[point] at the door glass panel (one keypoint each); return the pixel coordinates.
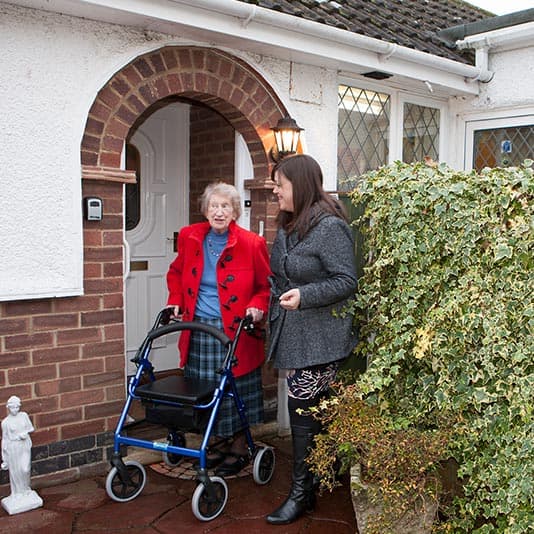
(132, 192)
(363, 133)
(420, 133)
(503, 147)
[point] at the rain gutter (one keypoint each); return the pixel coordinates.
(232, 22)
(460, 32)
(314, 30)
(503, 39)
(506, 31)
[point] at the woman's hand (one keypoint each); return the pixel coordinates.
(176, 313)
(290, 300)
(257, 315)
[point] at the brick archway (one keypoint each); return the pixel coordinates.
(211, 76)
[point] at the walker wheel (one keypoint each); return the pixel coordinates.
(205, 506)
(124, 491)
(263, 468)
(178, 440)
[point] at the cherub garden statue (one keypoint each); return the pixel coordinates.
(16, 457)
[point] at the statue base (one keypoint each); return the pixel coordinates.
(22, 502)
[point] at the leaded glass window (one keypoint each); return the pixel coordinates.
(420, 133)
(363, 133)
(503, 147)
(132, 195)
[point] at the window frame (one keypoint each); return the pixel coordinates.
(486, 121)
(398, 98)
(406, 98)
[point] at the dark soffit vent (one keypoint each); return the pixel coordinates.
(377, 75)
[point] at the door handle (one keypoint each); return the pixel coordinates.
(174, 240)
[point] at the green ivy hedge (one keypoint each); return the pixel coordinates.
(446, 316)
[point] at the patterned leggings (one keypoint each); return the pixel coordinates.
(305, 389)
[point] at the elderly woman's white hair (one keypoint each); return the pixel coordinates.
(224, 190)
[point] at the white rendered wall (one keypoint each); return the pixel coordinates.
(310, 95)
(512, 85)
(52, 68)
(509, 94)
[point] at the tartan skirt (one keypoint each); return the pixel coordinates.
(205, 358)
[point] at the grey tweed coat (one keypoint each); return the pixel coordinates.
(322, 266)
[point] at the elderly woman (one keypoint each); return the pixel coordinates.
(220, 273)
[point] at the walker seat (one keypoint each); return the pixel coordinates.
(189, 394)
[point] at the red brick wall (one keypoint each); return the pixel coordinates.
(65, 357)
(212, 153)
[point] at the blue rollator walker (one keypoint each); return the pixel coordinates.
(183, 405)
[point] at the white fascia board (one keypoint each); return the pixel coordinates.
(247, 27)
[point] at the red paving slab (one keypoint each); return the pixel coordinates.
(40, 521)
(164, 507)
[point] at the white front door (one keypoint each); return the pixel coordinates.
(163, 145)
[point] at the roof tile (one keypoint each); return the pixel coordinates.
(411, 23)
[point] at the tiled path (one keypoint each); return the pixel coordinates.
(164, 507)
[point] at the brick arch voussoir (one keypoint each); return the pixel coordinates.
(214, 77)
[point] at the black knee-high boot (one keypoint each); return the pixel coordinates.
(301, 497)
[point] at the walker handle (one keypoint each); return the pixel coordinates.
(198, 327)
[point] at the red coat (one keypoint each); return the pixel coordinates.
(242, 278)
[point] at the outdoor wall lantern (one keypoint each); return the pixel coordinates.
(287, 135)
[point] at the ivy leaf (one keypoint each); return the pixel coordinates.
(502, 251)
(481, 395)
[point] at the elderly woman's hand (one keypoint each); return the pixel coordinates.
(257, 315)
(176, 312)
(290, 300)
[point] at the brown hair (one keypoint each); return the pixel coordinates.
(309, 197)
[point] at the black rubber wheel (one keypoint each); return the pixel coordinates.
(206, 508)
(124, 491)
(263, 468)
(178, 440)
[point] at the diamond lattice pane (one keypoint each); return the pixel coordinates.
(363, 133)
(420, 133)
(503, 147)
